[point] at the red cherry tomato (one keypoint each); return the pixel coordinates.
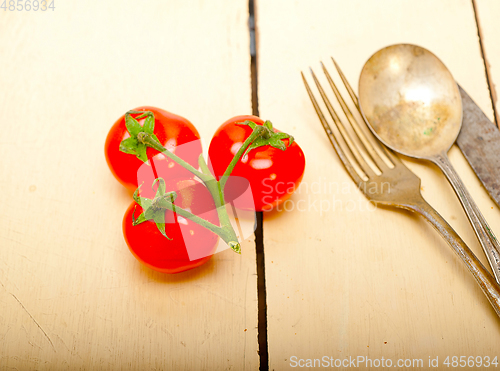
(157, 252)
(273, 174)
(171, 130)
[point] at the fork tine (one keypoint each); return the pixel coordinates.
(360, 161)
(372, 154)
(351, 92)
(347, 164)
(392, 157)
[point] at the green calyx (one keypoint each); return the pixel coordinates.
(154, 209)
(268, 138)
(132, 145)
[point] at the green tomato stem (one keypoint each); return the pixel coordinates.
(257, 132)
(225, 231)
(149, 141)
(216, 188)
(221, 184)
(227, 234)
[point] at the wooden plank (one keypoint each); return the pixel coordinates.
(487, 11)
(352, 281)
(71, 294)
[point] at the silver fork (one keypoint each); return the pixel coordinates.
(395, 186)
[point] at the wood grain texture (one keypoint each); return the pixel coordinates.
(487, 13)
(71, 294)
(350, 280)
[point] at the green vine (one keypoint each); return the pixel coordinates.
(143, 136)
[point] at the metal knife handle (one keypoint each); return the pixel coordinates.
(485, 280)
(487, 239)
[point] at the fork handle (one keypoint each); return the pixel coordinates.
(485, 280)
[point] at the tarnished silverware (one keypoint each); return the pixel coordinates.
(394, 185)
(413, 106)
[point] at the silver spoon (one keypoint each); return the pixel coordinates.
(412, 104)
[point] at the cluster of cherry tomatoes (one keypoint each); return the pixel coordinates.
(169, 244)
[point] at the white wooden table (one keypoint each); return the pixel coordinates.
(341, 283)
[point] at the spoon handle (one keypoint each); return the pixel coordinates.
(485, 280)
(487, 239)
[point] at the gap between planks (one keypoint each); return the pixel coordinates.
(489, 79)
(259, 232)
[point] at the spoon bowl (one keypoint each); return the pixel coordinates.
(411, 101)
